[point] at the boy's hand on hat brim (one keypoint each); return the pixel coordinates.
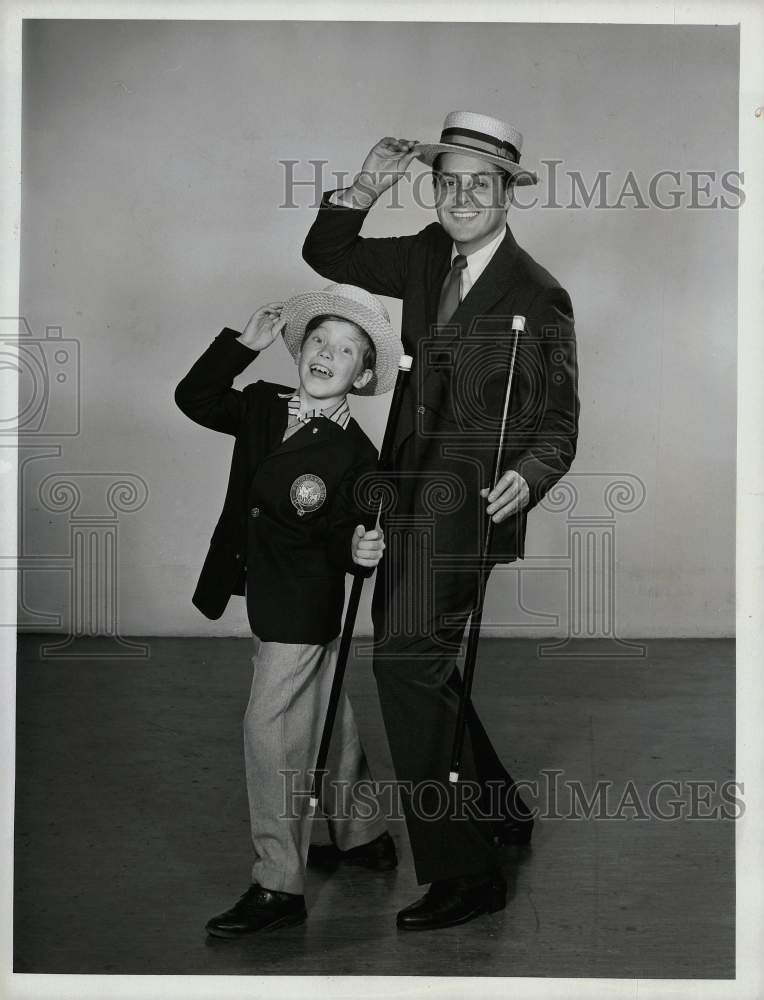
(263, 326)
(367, 546)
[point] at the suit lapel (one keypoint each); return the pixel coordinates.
(440, 264)
(420, 322)
(494, 284)
(496, 281)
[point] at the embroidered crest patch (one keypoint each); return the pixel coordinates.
(307, 493)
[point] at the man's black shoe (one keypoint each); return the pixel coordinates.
(258, 909)
(378, 855)
(514, 830)
(454, 901)
(516, 823)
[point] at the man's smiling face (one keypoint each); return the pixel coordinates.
(472, 199)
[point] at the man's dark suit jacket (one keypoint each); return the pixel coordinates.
(291, 565)
(453, 408)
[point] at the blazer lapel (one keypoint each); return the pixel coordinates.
(278, 424)
(318, 431)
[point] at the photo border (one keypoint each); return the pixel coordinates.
(750, 500)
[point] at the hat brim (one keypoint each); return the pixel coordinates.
(426, 152)
(301, 309)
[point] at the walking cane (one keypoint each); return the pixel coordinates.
(404, 367)
(476, 618)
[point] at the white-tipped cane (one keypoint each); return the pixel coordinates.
(476, 618)
(404, 367)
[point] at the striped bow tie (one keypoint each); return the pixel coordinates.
(308, 415)
(339, 415)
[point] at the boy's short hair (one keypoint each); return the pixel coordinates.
(369, 356)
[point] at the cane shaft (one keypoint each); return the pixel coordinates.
(354, 600)
(336, 689)
(470, 659)
(476, 616)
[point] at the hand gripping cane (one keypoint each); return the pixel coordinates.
(476, 617)
(404, 367)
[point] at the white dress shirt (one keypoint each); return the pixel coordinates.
(477, 262)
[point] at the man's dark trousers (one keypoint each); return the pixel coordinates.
(419, 620)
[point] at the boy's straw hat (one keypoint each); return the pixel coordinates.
(479, 135)
(359, 306)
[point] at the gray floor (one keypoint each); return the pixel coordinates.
(131, 821)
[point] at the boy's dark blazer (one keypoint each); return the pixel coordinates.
(456, 389)
(292, 566)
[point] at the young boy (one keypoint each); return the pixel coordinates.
(290, 529)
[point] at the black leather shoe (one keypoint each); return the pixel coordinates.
(516, 823)
(454, 901)
(258, 909)
(379, 855)
(514, 830)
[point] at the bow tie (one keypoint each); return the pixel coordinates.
(308, 415)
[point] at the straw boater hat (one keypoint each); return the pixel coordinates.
(479, 135)
(359, 306)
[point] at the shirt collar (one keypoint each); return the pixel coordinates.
(340, 414)
(478, 261)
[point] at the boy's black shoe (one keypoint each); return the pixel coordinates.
(258, 909)
(379, 855)
(454, 901)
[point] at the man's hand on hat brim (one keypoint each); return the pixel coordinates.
(385, 164)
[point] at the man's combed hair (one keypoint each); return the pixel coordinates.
(369, 357)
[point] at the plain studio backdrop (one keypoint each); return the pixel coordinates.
(153, 193)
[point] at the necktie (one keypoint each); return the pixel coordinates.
(450, 293)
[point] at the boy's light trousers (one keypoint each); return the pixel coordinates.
(282, 731)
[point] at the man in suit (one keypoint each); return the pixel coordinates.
(461, 279)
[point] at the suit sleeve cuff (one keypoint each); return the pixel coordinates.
(232, 336)
(539, 476)
(334, 199)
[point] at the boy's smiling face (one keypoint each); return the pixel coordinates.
(330, 363)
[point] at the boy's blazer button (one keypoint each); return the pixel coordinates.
(255, 512)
